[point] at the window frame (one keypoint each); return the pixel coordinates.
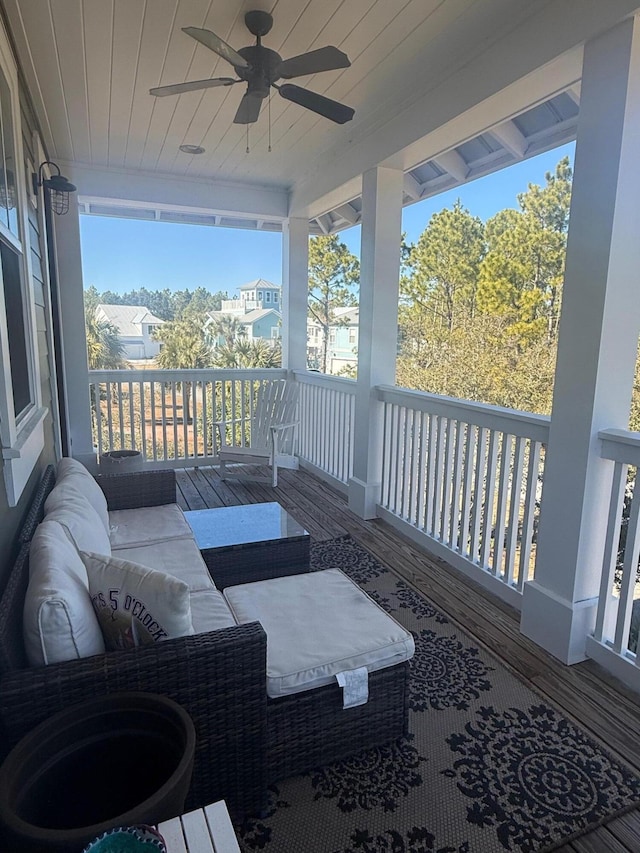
(22, 438)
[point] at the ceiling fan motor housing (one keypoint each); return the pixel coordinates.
(263, 71)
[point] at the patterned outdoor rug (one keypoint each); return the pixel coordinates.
(488, 765)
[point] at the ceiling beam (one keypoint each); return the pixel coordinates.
(412, 188)
(454, 164)
(324, 223)
(574, 92)
(187, 195)
(348, 213)
(510, 138)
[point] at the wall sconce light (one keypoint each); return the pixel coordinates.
(59, 188)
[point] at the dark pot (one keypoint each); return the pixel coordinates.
(116, 760)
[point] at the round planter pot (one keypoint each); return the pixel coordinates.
(121, 461)
(116, 760)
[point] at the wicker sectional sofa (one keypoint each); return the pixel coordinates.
(244, 739)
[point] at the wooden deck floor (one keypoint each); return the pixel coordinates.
(584, 691)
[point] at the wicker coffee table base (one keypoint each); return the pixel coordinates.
(257, 561)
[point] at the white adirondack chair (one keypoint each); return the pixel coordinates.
(272, 432)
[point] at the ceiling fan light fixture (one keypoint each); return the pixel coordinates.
(191, 149)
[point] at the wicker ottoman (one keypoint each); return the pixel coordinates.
(319, 625)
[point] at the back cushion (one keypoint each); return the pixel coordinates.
(73, 479)
(59, 620)
(81, 522)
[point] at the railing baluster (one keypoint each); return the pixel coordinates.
(501, 509)
(464, 545)
(629, 570)
(514, 510)
(610, 558)
(489, 500)
(454, 525)
(529, 513)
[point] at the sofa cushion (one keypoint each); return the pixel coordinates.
(178, 557)
(131, 527)
(81, 523)
(136, 605)
(73, 479)
(210, 611)
(318, 624)
(59, 621)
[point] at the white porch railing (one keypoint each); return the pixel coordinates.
(464, 479)
(615, 639)
(170, 415)
(325, 436)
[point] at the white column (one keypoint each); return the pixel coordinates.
(74, 345)
(377, 329)
(295, 292)
(597, 345)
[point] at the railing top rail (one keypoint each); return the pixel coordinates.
(620, 445)
(200, 375)
(512, 421)
(340, 383)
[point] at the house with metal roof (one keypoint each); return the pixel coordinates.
(135, 324)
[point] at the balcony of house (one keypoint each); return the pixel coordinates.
(457, 519)
(462, 480)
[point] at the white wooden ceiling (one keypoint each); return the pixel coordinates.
(89, 65)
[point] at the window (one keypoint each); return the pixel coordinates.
(275, 297)
(332, 337)
(353, 336)
(21, 417)
(267, 296)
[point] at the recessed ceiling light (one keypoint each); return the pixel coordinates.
(192, 149)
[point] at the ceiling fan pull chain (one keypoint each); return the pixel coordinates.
(269, 106)
(247, 150)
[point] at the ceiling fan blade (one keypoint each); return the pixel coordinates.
(340, 113)
(217, 45)
(249, 109)
(178, 88)
(323, 59)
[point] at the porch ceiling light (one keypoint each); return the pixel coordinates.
(58, 186)
(191, 149)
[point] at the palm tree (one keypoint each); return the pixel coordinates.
(182, 347)
(248, 354)
(227, 327)
(104, 349)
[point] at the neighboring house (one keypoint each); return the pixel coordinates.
(257, 309)
(342, 349)
(135, 325)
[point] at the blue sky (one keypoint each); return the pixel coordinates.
(126, 254)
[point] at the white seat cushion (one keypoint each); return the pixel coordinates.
(210, 611)
(131, 527)
(81, 523)
(136, 605)
(59, 621)
(180, 558)
(318, 624)
(73, 479)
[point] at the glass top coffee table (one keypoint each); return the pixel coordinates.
(247, 543)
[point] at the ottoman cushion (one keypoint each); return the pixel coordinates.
(318, 624)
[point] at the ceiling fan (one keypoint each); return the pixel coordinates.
(261, 67)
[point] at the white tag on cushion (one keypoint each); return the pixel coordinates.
(355, 686)
(124, 592)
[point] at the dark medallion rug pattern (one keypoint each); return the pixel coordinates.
(488, 766)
